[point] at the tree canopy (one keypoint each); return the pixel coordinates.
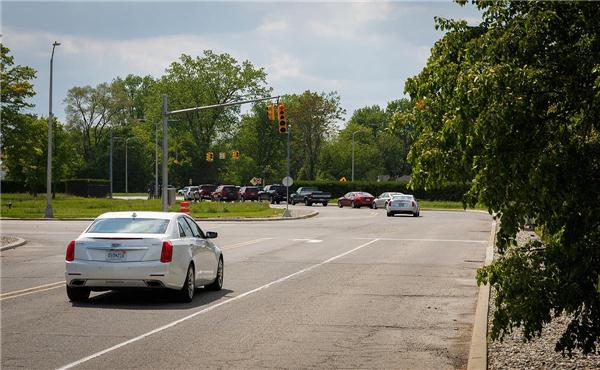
(512, 106)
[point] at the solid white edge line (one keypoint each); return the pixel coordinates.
(3, 295)
(210, 308)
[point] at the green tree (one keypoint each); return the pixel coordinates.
(205, 80)
(312, 119)
(512, 105)
(91, 113)
(15, 86)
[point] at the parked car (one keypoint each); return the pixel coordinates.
(403, 204)
(382, 200)
(183, 190)
(356, 199)
(143, 250)
(204, 191)
(310, 195)
(248, 193)
(190, 193)
(225, 192)
(274, 193)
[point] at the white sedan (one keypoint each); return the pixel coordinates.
(143, 250)
(402, 204)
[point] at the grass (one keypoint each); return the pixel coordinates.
(130, 194)
(67, 206)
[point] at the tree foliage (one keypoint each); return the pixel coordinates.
(512, 106)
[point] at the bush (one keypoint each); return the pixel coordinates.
(98, 188)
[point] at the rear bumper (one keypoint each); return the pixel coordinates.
(100, 274)
(400, 210)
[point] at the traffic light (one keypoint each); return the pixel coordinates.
(281, 119)
(271, 112)
(235, 154)
(210, 156)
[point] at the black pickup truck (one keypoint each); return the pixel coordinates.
(274, 193)
(309, 195)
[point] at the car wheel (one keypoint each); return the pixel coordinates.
(278, 202)
(416, 214)
(340, 204)
(353, 204)
(242, 199)
(374, 205)
(293, 202)
(324, 204)
(186, 293)
(307, 203)
(78, 294)
(390, 214)
(272, 200)
(218, 283)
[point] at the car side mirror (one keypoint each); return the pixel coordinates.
(211, 234)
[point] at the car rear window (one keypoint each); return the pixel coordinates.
(363, 194)
(229, 188)
(402, 197)
(129, 225)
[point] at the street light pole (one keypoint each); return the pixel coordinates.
(352, 179)
(49, 213)
(165, 171)
(155, 161)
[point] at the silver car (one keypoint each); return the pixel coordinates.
(143, 250)
(382, 200)
(402, 204)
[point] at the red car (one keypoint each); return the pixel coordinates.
(248, 193)
(225, 192)
(356, 199)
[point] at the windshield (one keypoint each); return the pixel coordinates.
(129, 225)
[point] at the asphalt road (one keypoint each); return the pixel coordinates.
(350, 288)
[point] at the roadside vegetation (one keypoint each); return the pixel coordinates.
(67, 206)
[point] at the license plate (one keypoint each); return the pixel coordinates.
(115, 256)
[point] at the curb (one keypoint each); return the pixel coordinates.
(309, 215)
(478, 348)
(14, 244)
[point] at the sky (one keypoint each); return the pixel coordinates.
(363, 50)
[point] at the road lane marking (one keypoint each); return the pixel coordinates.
(210, 308)
(428, 240)
(243, 244)
(22, 292)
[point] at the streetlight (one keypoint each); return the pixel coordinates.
(355, 132)
(49, 213)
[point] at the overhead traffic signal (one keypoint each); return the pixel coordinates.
(282, 124)
(271, 112)
(210, 156)
(235, 154)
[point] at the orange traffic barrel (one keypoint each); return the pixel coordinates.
(184, 206)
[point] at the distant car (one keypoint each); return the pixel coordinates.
(403, 204)
(225, 193)
(274, 193)
(190, 193)
(310, 195)
(382, 200)
(183, 190)
(204, 191)
(356, 199)
(143, 250)
(248, 193)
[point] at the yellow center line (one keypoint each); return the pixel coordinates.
(243, 244)
(40, 288)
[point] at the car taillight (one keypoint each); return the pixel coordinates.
(166, 254)
(413, 203)
(70, 251)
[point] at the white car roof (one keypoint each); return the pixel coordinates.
(141, 214)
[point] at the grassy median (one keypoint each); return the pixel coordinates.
(68, 206)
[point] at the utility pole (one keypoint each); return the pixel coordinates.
(49, 213)
(110, 166)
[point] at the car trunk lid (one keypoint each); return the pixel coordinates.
(119, 248)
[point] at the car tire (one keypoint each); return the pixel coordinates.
(353, 205)
(307, 203)
(271, 200)
(340, 204)
(186, 293)
(278, 202)
(374, 205)
(242, 199)
(78, 294)
(293, 202)
(390, 214)
(324, 204)
(218, 283)
(416, 214)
